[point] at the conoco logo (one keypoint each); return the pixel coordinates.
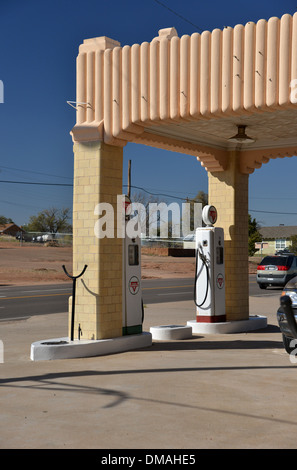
(134, 285)
(213, 214)
(220, 281)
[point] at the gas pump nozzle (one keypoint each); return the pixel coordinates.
(202, 256)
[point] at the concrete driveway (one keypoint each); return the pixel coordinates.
(232, 391)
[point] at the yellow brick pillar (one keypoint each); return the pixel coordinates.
(228, 192)
(97, 179)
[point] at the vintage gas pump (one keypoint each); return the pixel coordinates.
(209, 290)
(132, 293)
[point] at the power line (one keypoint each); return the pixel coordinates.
(157, 194)
(177, 14)
(277, 197)
(18, 204)
(35, 172)
(71, 185)
(135, 187)
(36, 183)
(269, 212)
(175, 192)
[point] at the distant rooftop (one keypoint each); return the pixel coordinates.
(280, 231)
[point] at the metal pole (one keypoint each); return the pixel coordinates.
(129, 179)
(73, 309)
(73, 296)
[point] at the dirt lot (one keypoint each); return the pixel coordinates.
(38, 264)
(27, 264)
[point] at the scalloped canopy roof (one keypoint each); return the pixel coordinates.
(189, 94)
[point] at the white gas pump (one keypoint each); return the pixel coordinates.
(131, 291)
(209, 290)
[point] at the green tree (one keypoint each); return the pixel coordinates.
(5, 220)
(201, 197)
(293, 246)
(254, 236)
(50, 220)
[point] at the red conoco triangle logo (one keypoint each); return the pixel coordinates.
(213, 214)
(134, 285)
(220, 281)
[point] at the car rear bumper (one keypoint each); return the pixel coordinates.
(274, 279)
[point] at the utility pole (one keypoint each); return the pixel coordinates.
(129, 179)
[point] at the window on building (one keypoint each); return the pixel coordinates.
(280, 244)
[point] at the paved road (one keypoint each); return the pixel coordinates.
(167, 290)
(21, 302)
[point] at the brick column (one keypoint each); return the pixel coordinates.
(228, 192)
(97, 179)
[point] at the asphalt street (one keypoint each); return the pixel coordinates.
(19, 302)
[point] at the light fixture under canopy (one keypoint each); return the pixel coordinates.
(241, 137)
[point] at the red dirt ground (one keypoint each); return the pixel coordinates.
(38, 264)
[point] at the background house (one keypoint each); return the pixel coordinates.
(10, 229)
(275, 238)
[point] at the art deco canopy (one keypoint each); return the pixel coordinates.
(189, 94)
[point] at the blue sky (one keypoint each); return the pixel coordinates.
(39, 43)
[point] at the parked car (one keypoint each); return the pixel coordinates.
(290, 290)
(276, 270)
(285, 251)
(23, 236)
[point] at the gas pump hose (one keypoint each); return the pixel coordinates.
(204, 261)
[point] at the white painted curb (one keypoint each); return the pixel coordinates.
(239, 326)
(169, 332)
(63, 348)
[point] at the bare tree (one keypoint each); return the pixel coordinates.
(144, 213)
